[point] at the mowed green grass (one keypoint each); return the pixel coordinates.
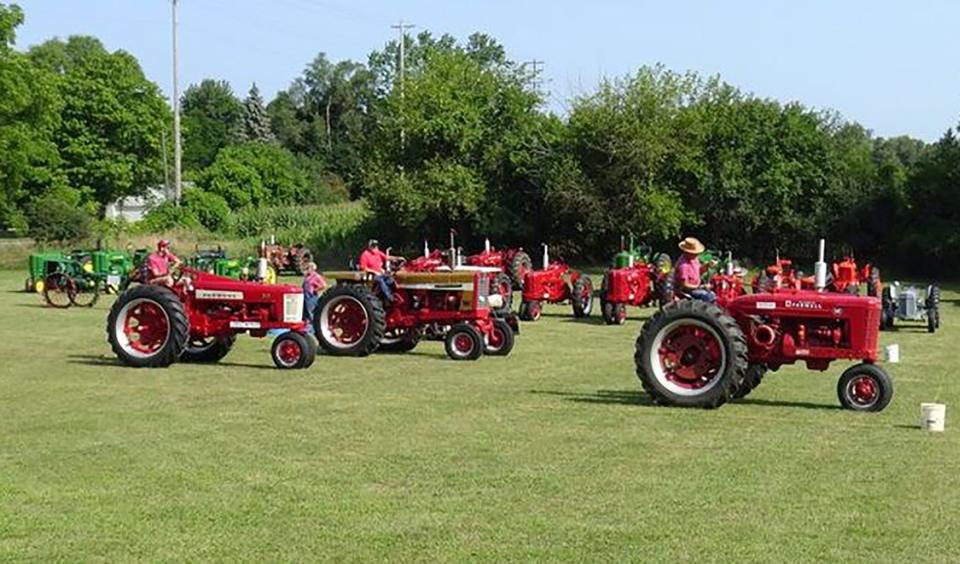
(552, 453)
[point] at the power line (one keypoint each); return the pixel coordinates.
(535, 81)
(402, 30)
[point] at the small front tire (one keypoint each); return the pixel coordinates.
(292, 350)
(464, 342)
(865, 387)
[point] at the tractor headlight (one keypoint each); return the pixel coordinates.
(292, 308)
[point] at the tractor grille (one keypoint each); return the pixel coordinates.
(292, 308)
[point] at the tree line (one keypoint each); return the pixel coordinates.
(466, 141)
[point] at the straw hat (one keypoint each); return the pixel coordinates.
(692, 245)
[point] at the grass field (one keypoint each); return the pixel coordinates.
(550, 454)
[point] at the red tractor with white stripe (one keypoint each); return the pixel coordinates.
(556, 283)
(354, 318)
(199, 317)
(697, 354)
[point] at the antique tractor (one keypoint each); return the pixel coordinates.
(727, 281)
(71, 282)
(696, 354)
(286, 260)
(451, 260)
(354, 319)
(911, 304)
(515, 263)
(555, 283)
(633, 281)
(199, 318)
(847, 278)
(778, 276)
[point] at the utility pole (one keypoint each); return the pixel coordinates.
(535, 80)
(177, 149)
(402, 29)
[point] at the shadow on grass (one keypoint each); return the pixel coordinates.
(608, 397)
(911, 427)
(591, 320)
(40, 305)
(792, 404)
(93, 360)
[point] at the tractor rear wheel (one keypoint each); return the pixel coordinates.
(502, 285)
(691, 354)
(57, 288)
(208, 350)
(613, 314)
(665, 291)
(85, 292)
(464, 342)
(582, 296)
(349, 321)
(293, 350)
(301, 257)
(530, 310)
(933, 308)
(400, 340)
(751, 380)
(500, 340)
(520, 265)
(865, 387)
(147, 327)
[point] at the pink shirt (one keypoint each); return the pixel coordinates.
(159, 265)
(687, 272)
(372, 260)
(313, 283)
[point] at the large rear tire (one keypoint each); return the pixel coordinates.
(752, 379)
(582, 296)
(519, 267)
(865, 387)
(691, 354)
(349, 321)
(530, 310)
(874, 286)
(147, 327)
(502, 285)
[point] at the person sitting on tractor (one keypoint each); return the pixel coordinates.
(687, 272)
(373, 261)
(158, 265)
(313, 285)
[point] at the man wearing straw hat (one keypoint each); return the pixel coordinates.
(687, 272)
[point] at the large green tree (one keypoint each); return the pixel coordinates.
(29, 116)
(113, 119)
(212, 118)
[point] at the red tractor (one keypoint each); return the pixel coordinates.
(199, 318)
(777, 276)
(697, 354)
(728, 284)
(515, 263)
(449, 260)
(556, 283)
(286, 260)
(847, 278)
(638, 284)
(354, 318)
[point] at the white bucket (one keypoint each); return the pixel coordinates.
(933, 416)
(892, 353)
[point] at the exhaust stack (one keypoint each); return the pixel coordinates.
(546, 256)
(820, 269)
(486, 245)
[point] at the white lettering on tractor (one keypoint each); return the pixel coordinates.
(244, 324)
(803, 304)
(218, 295)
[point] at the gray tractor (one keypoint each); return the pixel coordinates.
(911, 304)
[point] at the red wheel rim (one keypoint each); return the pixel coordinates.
(146, 327)
(289, 352)
(688, 356)
(344, 322)
(463, 344)
(535, 311)
(863, 390)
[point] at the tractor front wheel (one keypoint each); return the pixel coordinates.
(582, 297)
(500, 340)
(464, 342)
(293, 350)
(613, 313)
(147, 327)
(530, 310)
(865, 387)
(57, 289)
(691, 354)
(349, 321)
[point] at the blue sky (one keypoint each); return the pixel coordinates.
(892, 66)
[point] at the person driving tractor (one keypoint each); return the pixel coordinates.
(313, 285)
(373, 261)
(159, 263)
(687, 272)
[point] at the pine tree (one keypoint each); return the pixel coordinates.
(256, 123)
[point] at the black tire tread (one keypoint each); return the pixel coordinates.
(179, 326)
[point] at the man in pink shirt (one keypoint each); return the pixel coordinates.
(686, 275)
(159, 263)
(373, 261)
